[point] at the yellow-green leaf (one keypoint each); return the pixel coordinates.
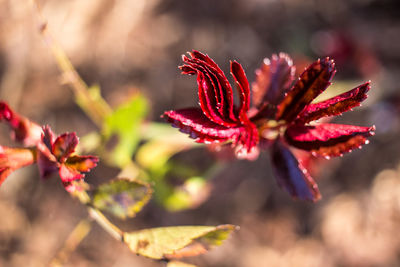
(154, 154)
(176, 241)
(122, 197)
(193, 192)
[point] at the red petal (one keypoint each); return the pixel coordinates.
(82, 163)
(243, 88)
(64, 146)
(193, 122)
(335, 105)
(68, 174)
(273, 80)
(312, 82)
(328, 140)
(23, 129)
(291, 175)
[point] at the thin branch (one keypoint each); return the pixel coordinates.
(93, 104)
(80, 231)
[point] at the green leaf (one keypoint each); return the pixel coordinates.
(176, 241)
(125, 122)
(122, 197)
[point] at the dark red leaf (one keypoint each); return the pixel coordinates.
(215, 93)
(312, 82)
(68, 174)
(273, 80)
(82, 163)
(222, 89)
(25, 131)
(12, 159)
(47, 163)
(225, 89)
(16, 157)
(248, 141)
(243, 88)
(328, 140)
(7, 114)
(48, 137)
(193, 122)
(64, 146)
(335, 105)
(208, 102)
(291, 175)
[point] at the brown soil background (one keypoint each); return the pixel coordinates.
(130, 45)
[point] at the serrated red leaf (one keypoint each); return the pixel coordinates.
(328, 140)
(243, 89)
(291, 175)
(82, 163)
(224, 87)
(68, 174)
(273, 80)
(335, 105)
(208, 101)
(192, 121)
(312, 82)
(215, 92)
(64, 146)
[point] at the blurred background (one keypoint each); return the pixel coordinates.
(130, 45)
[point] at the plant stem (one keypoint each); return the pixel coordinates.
(109, 227)
(98, 216)
(91, 102)
(80, 231)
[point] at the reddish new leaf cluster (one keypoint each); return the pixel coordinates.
(53, 154)
(280, 116)
(217, 119)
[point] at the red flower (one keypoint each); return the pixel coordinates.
(280, 115)
(56, 154)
